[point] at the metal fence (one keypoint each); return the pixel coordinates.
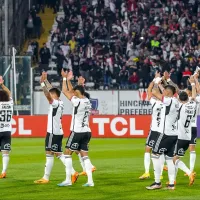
(19, 81)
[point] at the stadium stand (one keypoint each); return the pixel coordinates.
(119, 44)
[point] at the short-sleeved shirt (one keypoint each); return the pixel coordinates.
(158, 111)
(171, 115)
(186, 114)
(80, 115)
(6, 113)
(194, 119)
(54, 124)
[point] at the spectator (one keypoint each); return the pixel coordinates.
(38, 26)
(124, 76)
(134, 81)
(186, 74)
(45, 56)
(72, 43)
(29, 26)
(65, 48)
(35, 48)
(60, 60)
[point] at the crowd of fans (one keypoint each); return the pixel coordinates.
(122, 43)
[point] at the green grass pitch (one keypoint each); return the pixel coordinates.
(119, 163)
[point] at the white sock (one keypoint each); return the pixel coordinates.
(147, 160)
(162, 162)
(88, 168)
(5, 161)
(171, 170)
(157, 167)
(62, 158)
(81, 162)
(192, 160)
(181, 165)
(48, 166)
(68, 168)
(176, 172)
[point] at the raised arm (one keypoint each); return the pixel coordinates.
(149, 90)
(4, 87)
(192, 82)
(170, 82)
(68, 93)
(44, 87)
(48, 85)
(197, 83)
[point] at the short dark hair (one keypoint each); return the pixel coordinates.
(189, 88)
(4, 96)
(183, 96)
(55, 90)
(171, 87)
(82, 91)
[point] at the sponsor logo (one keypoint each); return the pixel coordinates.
(143, 95)
(95, 104)
(74, 146)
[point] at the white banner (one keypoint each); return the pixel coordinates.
(103, 102)
(134, 103)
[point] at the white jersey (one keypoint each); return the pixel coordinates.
(194, 119)
(171, 115)
(6, 113)
(158, 111)
(54, 124)
(186, 113)
(80, 115)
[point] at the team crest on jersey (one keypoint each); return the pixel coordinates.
(54, 147)
(6, 146)
(151, 143)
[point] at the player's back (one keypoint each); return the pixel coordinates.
(197, 112)
(171, 115)
(54, 117)
(157, 120)
(6, 112)
(186, 114)
(80, 115)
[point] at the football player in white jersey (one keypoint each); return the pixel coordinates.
(80, 130)
(53, 141)
(6, 112)
(194, 123)
(186, 113)
(167, 140)
(157, 123)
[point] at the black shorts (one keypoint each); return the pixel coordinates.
(53, 142)
(193, 140)
(5, 141)
(181, 147)
(152, 138)
(78, 141)
(165, 145)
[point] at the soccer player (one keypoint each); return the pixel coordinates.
(6, 112)
(80, 130)
(157, 123)
(167, 140)
(53, 141)
(194, 123)
(186, 113)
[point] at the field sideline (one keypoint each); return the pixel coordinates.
(119, 163)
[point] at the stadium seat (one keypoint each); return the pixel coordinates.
(37, 78)
(55, 84)
(52, 72)
(89, 85)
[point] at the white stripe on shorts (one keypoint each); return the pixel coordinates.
(158, 142)
(50, 140)
(70, 139)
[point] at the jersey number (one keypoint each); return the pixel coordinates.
(188, 120)
(5, 115)
(84, 118)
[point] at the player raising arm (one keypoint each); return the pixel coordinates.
(53, 141)
(80, 130)
(186, 113)
(6, 112)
